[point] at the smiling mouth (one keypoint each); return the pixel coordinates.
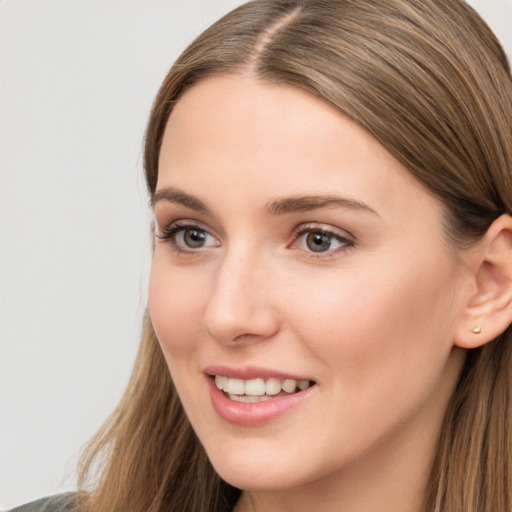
(259, 389)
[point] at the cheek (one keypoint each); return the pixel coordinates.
(175, 308)
(388, 319)
(176, 299)
(383, 342)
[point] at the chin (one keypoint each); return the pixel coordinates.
(256, 479)
(256, 470)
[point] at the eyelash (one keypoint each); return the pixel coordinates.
(169, 235)
(170, 232)
(345, 242)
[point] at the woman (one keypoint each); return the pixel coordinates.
(330, 297)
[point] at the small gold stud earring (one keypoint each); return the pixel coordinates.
(477, 330)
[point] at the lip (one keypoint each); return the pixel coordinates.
(250, 372)
(252, 414)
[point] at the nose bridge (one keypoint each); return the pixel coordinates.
(240, 305)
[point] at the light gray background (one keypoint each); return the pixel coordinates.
(77, 81)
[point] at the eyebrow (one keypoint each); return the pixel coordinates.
(277, 207)
(173, 195)
(307, 203)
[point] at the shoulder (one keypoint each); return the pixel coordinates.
(59, 503)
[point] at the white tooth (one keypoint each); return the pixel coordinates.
(250, 399)
(303, 384)
(289, 385)
(255, 387)
(224, 382)
(273, 386)
(235, 386)
(218, 381)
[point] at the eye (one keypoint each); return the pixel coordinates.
(319, 240)
(188, 237)
(193, 238)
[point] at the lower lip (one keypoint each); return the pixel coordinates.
(254, 414)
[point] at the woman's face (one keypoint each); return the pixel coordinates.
(301, 264)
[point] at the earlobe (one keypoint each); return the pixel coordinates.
(488, 311)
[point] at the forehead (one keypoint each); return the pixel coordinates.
(239, 134)
(238, 112)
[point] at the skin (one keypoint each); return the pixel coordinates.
(371, 319)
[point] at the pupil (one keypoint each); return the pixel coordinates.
(318, 242)
(194, 237)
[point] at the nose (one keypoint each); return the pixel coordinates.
(241, 307)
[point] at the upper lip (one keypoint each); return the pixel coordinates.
(251, 372)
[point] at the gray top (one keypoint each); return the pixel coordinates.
(58, 503)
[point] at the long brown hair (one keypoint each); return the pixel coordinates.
(429, 80)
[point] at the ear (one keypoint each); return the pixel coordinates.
(488, 308)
